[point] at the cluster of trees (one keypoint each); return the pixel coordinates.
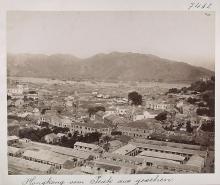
(198, 86)
(34, 135)
(202, 86)
(135, 98)
(57, 130)
(37, 135)
(209, 98)
(115, 133)
(174, 91)
(192, 100)
(66, 141)
(207, 94)
(209, 126)
(203, 111)
(87, 138)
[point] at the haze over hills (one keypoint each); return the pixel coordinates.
(113, 66)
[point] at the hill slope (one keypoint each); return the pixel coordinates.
(112, 66)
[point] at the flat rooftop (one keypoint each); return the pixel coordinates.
(169, 149)
(45, 155)
(22, 166)
(125, 149)
(160, 155)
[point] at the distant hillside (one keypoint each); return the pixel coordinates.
(113, 66)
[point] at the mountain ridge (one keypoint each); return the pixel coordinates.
(123, 66)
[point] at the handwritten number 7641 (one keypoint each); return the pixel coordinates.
(200, 5)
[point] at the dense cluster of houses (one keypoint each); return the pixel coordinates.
(135, 122)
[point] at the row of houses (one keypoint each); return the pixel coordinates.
(55, 157)
(156, 105)
(165, 158)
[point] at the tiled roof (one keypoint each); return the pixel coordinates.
(149, 123)
(46, 155)
(125, 149)
(86, 145)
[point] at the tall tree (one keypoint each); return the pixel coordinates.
(135, 98)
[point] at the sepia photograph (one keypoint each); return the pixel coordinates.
(110, 92)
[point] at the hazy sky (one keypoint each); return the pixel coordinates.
(182, 36)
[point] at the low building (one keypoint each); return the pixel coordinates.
(197, 162)
(19, 103)
(15, 152)
(86, 147)
(66, 122)
(156, 105)
(83, 128)
(115, 120)
(141, 128)
(128, 149)
(103, 166)
(79, 156)
(114, 145)
(24, 167)
(169, 150)
(167, 156)
(144, 115)
(151, 162)
(46, 157)
(14, 91)
(13, 140)
(165, 143)
(25, 140)
(32, 95)
(121, 110)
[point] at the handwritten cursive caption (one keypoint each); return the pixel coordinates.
(200, 6)
(94, 180)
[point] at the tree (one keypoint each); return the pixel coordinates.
(203, 111)
(209, 127)
(91, 137)
(90, 158)
(213, 78)
(8, 97)
(135, 98)
(161, 116)
(192, 100)
(173, 90)
(106, 147)
(113, 133)
(57, 130)
(201, 104)
(189, 127)
(106, 139)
